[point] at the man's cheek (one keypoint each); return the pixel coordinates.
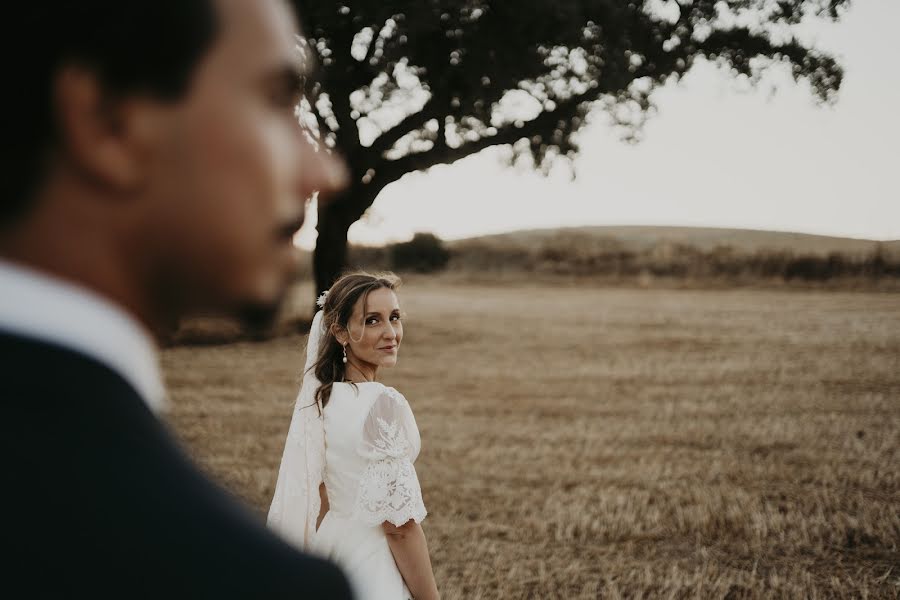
(281, 150)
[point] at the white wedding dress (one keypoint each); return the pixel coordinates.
(362, 447)
(371, 443)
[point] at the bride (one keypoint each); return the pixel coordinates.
(347, 488)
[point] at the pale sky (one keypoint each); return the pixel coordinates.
(715, 155)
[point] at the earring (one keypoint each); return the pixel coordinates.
(345, 354)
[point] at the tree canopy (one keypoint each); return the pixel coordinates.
(404, 85)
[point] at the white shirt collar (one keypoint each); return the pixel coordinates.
(46, 308)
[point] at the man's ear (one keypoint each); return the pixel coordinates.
(102, 135)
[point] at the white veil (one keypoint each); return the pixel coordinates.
(296, 503)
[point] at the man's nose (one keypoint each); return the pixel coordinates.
(323, 172)
(335, 176)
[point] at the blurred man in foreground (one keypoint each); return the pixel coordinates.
(153, 166)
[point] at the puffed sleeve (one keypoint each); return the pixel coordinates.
(389, 487)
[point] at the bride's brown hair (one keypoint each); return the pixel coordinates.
(342, 297)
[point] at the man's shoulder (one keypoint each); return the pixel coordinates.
(22, 356)
(96, 471)
(52, 386)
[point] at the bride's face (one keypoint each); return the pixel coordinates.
(375, 329)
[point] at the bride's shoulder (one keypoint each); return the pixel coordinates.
(392, 393)
(384, 394)
(373, 393)
(388, 403)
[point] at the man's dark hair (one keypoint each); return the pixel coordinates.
(134, 47)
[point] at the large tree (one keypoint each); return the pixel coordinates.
(404, 85)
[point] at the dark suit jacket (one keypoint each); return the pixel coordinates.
(97, 500)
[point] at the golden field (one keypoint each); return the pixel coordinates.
(591, 442)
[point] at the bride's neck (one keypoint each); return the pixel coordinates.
(356, 373)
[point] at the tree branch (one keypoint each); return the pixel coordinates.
(510, 134)
(410, 123)
(348, 132)
(342, 69)
(370, 51)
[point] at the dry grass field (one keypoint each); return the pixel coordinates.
(587, 442)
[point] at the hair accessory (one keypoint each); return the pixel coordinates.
(321, 300)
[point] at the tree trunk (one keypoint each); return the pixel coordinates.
(330, 254)
(335, 218)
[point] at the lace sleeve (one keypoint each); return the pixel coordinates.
(389, 487)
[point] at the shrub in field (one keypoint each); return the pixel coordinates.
(372, 258)
(425, 253)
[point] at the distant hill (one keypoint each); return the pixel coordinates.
(629, 252)
(642, 237)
